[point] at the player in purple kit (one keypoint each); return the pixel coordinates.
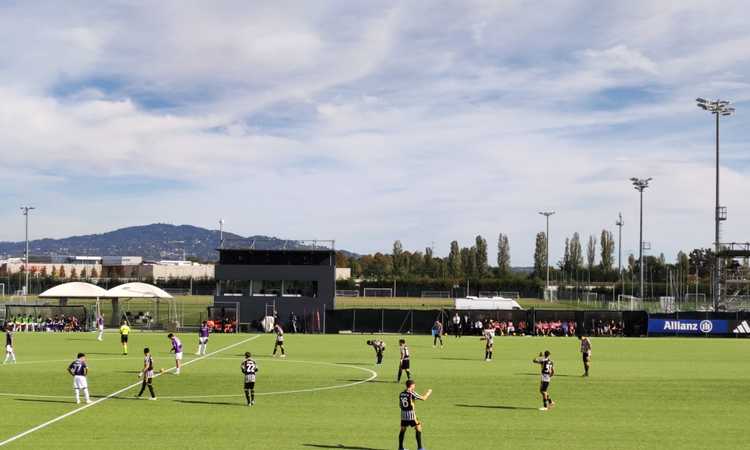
(79, 370)
(10, 355)
(203, 333)
(100, 326)
(177, 349)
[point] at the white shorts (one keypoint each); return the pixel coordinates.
(9, 349)
(202, 340)
(101, 327)
(178, 356)
(79, 382)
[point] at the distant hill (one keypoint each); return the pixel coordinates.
(154, 242)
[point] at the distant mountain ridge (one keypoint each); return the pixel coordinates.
(153, 242)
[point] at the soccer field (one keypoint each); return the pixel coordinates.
(642, 393)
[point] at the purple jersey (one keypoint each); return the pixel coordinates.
(204, 331)
(176, 345)
(100, 321)
(77, 367)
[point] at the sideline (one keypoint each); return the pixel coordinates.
(116, 393)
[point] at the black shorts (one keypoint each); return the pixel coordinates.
(409, 423)
(124, 338)
(250, 385)
(544, 386)
(279, 343)
(405, 364)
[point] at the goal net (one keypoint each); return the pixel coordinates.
(378, 292)
(590, 297)
(697, 301)
(347, 293)
(629, 303)
(47, 317)
(436, 294)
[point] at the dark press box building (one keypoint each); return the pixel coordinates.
(263, 282)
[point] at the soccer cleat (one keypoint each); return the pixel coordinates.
(88, 402)
(152, 398)
(543, 408)
(283, 356)
(551, 404)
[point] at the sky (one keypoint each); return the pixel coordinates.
(367, 122)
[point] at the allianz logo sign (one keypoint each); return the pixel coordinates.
(704, 326)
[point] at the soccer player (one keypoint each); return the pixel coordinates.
(548, 371)
(100, 326)
(489, 346)
(124, 332)
(203, 333)
(408, 415)
(279, 340)
(379, 347)
(79, 370)
(177, 349)
(585, 353)
(147, 373)
(10, 355)
(249, 369)
(404, 361)
(437, 333)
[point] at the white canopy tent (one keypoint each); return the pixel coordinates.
(74, 289)
(135, 290)
(489, 303)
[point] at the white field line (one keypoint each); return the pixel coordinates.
(114, 394)
(371, 372)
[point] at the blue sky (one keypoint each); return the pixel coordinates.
(370, 122)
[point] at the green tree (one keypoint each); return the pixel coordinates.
(429, 263)
(454, 261)
(608, 250)
(565, 264)
(398, 259)
(503, 255)
(540, 254)
(576, 254)
(591, 253)
(481, 256)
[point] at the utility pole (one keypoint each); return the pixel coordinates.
(546, 214)
(640, 185)
(26, 210)
(221, 233)
(717, 108)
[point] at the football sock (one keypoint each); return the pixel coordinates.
(151, 390)
(401, 439)
(143, 388)
(252, 395)
(545, 402)
(86, 395)
(247, 395)
(419, 439)
(78, 396)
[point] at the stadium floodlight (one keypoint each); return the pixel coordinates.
(640, 184)
(546, 214)
(26, 210)
(719, 108)
(620, 223)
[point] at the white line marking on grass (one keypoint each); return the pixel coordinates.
(116, 393)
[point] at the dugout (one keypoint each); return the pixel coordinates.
(299, 281)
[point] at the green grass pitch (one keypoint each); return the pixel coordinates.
(643, 393)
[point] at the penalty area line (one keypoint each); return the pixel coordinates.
(116, 393)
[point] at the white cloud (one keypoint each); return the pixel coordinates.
(370, 123)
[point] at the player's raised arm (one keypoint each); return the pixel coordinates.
(427, 394)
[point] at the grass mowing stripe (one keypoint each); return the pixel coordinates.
(116, 393)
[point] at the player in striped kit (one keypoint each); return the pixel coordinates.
(10, 354)
(147, 373)
(585, 354)
(489, 336)
(203, 333)
(249, 369)
(379, 347)
(408, 414)
(279, 340)
(79, 370)
(548, 371)
(404, 364)
(177, 350)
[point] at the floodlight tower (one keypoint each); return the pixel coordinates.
(718, 108)
(640, 184)
(619, 224)
(546, 214)
(25, 210)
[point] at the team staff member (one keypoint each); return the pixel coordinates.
(124, 332)
(585, 354)
(408, 414)
(548, 371)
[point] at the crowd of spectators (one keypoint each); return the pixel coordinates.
(28, 323)
(555, 328)
(607, 327)
(464, 324)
